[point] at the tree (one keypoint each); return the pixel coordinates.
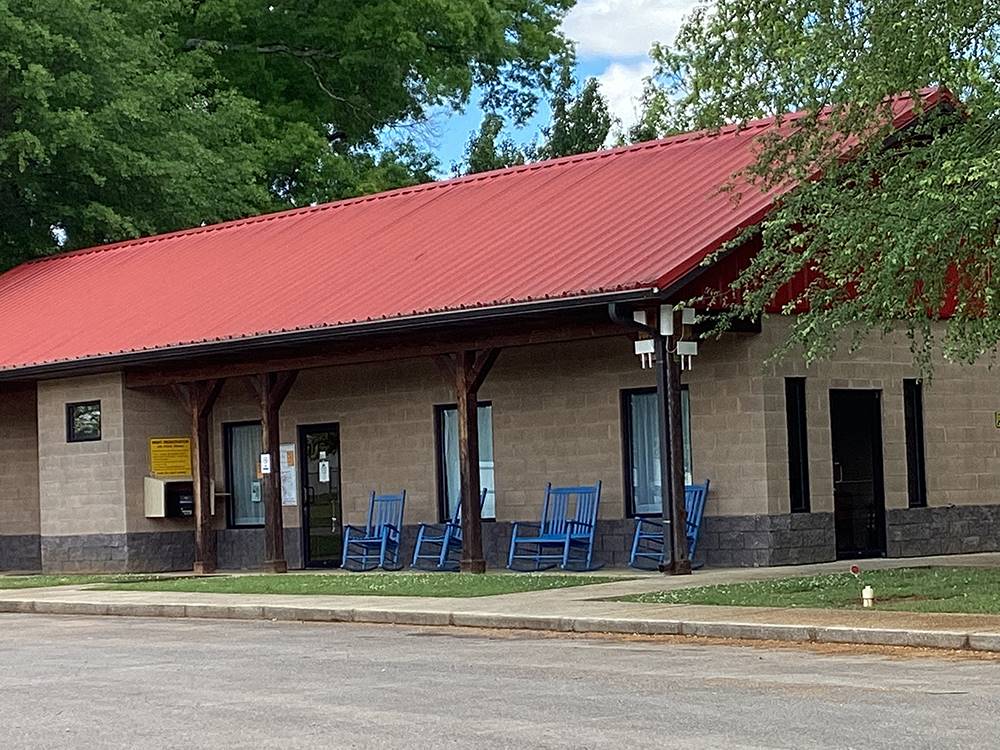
(128, 117)
(661, 110)
(488, 149)
(343, 72)
(581, 121)
(905, 229)
(104, 134)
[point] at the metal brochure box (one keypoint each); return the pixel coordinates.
(172, 497)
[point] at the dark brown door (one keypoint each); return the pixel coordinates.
(858, 490)
(322, 527)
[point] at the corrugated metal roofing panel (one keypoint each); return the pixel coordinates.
(624, 219)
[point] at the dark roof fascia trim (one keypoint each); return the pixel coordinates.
(427, 321)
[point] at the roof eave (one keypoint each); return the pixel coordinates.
(329, 334)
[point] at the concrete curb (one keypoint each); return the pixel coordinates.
(940, 639)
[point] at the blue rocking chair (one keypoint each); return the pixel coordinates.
(446, 536)
(559, 529)
(647, 544)
(378, 539)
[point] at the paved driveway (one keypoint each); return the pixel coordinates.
(121, 682)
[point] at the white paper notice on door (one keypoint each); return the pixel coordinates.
(324, 471)
(289, 477)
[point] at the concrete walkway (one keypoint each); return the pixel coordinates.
(581, 609)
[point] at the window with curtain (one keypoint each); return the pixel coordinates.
(642, 449)
(450, 483)
(243, 448)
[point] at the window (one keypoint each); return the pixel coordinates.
(449, 477)
(644, 495)
(913, 413)
(798, 445)
(83, 421)
(243, 448)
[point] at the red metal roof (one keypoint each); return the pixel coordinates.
(625, 219)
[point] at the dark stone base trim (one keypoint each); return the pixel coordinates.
(244, 548)
(766, 540)
(156, 551)
(731, 541)
(85, 553)
(150, 552)
(21, 552)
(944, 530)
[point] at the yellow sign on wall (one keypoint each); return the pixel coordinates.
(170, 457)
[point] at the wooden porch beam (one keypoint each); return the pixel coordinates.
(198, 399)
(271, 389)
(352, 353)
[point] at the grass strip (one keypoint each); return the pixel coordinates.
(917, 589)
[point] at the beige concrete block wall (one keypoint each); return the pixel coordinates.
(962, 444)
(81, 486)
(962, 441)
(556, 412)
(150, 412)
(557, 417)
(18, 461)
(728, 438)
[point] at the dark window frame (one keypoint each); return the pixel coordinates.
(625, 412)
(71, 436)
(230, 483)
(916, 457)
(797, 437)
(440, 477)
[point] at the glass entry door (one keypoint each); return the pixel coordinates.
(319, 446)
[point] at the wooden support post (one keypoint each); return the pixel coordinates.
(466, 372)
(272, 388)
(662, 355)
(199, 398)
(680, 562)
(668, 397)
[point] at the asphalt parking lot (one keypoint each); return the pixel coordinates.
(122, 682)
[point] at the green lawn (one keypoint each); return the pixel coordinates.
(931, 589)
(366, 584)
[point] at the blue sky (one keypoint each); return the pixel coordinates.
(613, 38)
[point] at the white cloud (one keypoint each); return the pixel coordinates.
(623, 28)
(621, 84)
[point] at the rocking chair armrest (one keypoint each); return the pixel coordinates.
(579, 524)
(391, 527)
(348, 528)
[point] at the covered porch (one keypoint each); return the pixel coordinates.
(508, 403)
